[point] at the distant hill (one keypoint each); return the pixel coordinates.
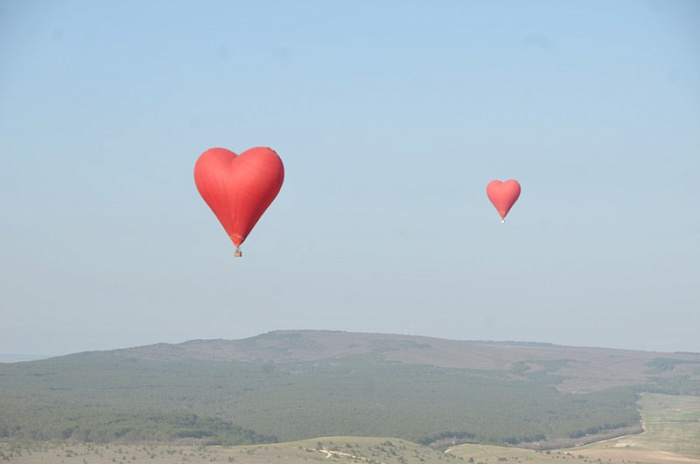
(577, 369)
(292, 385)
(11, 358)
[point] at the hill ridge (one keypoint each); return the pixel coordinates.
(296, 384)
(584, 369)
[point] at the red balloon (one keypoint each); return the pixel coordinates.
(503, 195)
(239, 188)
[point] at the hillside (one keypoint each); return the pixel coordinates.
(293, 385)
(573, 369)
(672, 436)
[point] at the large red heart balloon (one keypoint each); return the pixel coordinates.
(503, 195)
(239, 188)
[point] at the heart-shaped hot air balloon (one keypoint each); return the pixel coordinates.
(239, 188)
(503, 195)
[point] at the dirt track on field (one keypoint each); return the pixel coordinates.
(617, 455)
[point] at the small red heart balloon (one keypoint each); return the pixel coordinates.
(503, 195)
(239, 188)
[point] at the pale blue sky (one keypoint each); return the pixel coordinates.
(391, 117)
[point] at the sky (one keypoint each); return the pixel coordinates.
(391, 118)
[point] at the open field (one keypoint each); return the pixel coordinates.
(672, 435)
(486, 454)
(671, 423)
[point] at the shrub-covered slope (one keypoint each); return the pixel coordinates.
(296, 385)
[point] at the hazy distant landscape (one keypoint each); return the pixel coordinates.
(671, 436)
(223, 223)
(12, 358)
(288, 386)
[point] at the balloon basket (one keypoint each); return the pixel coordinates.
(237, 254)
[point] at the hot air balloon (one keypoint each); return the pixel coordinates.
(238, 188)
(503, 195)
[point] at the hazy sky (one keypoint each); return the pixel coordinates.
(390, 117)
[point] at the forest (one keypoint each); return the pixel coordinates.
(112, 396)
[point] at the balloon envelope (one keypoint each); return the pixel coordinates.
(503, 195)
(239, 188)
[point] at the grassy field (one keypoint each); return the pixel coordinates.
(672, 436)
(321, 450)
(671, 423)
